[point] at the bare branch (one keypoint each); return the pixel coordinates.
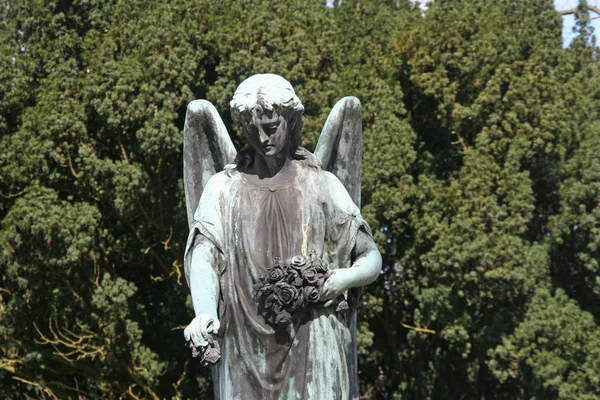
(414, 328)
(123, 151)
(69, 345)
(44, 388)
(567, 12)
(463, 145)
(179, 327)
(73, 172)
(10, 196)
(9, 364)
(574, 10)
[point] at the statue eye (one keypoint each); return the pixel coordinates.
(270, 129)
(250, 129)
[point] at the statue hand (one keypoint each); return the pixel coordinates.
(337, 283)
(200, 330)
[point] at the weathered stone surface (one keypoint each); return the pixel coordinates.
(277, 247)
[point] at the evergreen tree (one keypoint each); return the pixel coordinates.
(93, 223)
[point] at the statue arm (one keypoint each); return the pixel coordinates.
(365, 268)
(204, 287)
(366, 261)
(203, 279)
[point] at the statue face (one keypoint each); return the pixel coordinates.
(268, 133)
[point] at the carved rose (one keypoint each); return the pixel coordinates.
(283, 318)
(284, 293)
(318, 263)
(294, 278)
(310, 276)
(298, 301)
(320, 266)
(298, 262)
(311, 293)
(265, 290)
(276, 274)
(211, 355)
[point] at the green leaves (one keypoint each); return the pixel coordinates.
(555, 346)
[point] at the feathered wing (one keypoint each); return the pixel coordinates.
(207, 148)
(340, 145)
(340, 151)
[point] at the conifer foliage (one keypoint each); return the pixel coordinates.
(481, 181)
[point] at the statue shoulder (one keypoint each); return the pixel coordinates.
(307, 158)
(332, 181)
(223, 179)
(336, 193)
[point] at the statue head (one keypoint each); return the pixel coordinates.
(272, 96)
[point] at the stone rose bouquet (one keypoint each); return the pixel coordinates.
(209, 354)
(288, 286)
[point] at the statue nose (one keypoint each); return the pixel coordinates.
(263, 137)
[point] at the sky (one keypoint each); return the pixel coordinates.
(569, 20)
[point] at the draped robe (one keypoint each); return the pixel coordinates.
(251, 224)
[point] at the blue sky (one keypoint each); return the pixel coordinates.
(569, 20)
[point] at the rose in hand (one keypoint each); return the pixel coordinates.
(311, 294)
(310, 276)
(298, 262)
(293, 284)
(276, 274)
(199, 336)
(283, 318)
(284, 294)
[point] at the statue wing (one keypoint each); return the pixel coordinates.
(340, 145)
(340, 151)
(207, 148)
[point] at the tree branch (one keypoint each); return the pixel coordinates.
(567, 12)
(574, 10)
(10, 196)
(73, 172)
(414, 328)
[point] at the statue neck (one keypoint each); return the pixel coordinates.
(268, 167)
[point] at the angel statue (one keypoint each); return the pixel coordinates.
(276, 221)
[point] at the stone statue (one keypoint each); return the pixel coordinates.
(277, 250)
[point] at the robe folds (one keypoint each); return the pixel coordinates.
(251, 224)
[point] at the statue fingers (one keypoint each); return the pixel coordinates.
(328, 303)
(329, 290)
(198, 338)
(189, 334)
(205, 322)
(193, 333)
(327, 296)
(215, 326)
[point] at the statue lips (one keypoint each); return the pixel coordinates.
(266, 148)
